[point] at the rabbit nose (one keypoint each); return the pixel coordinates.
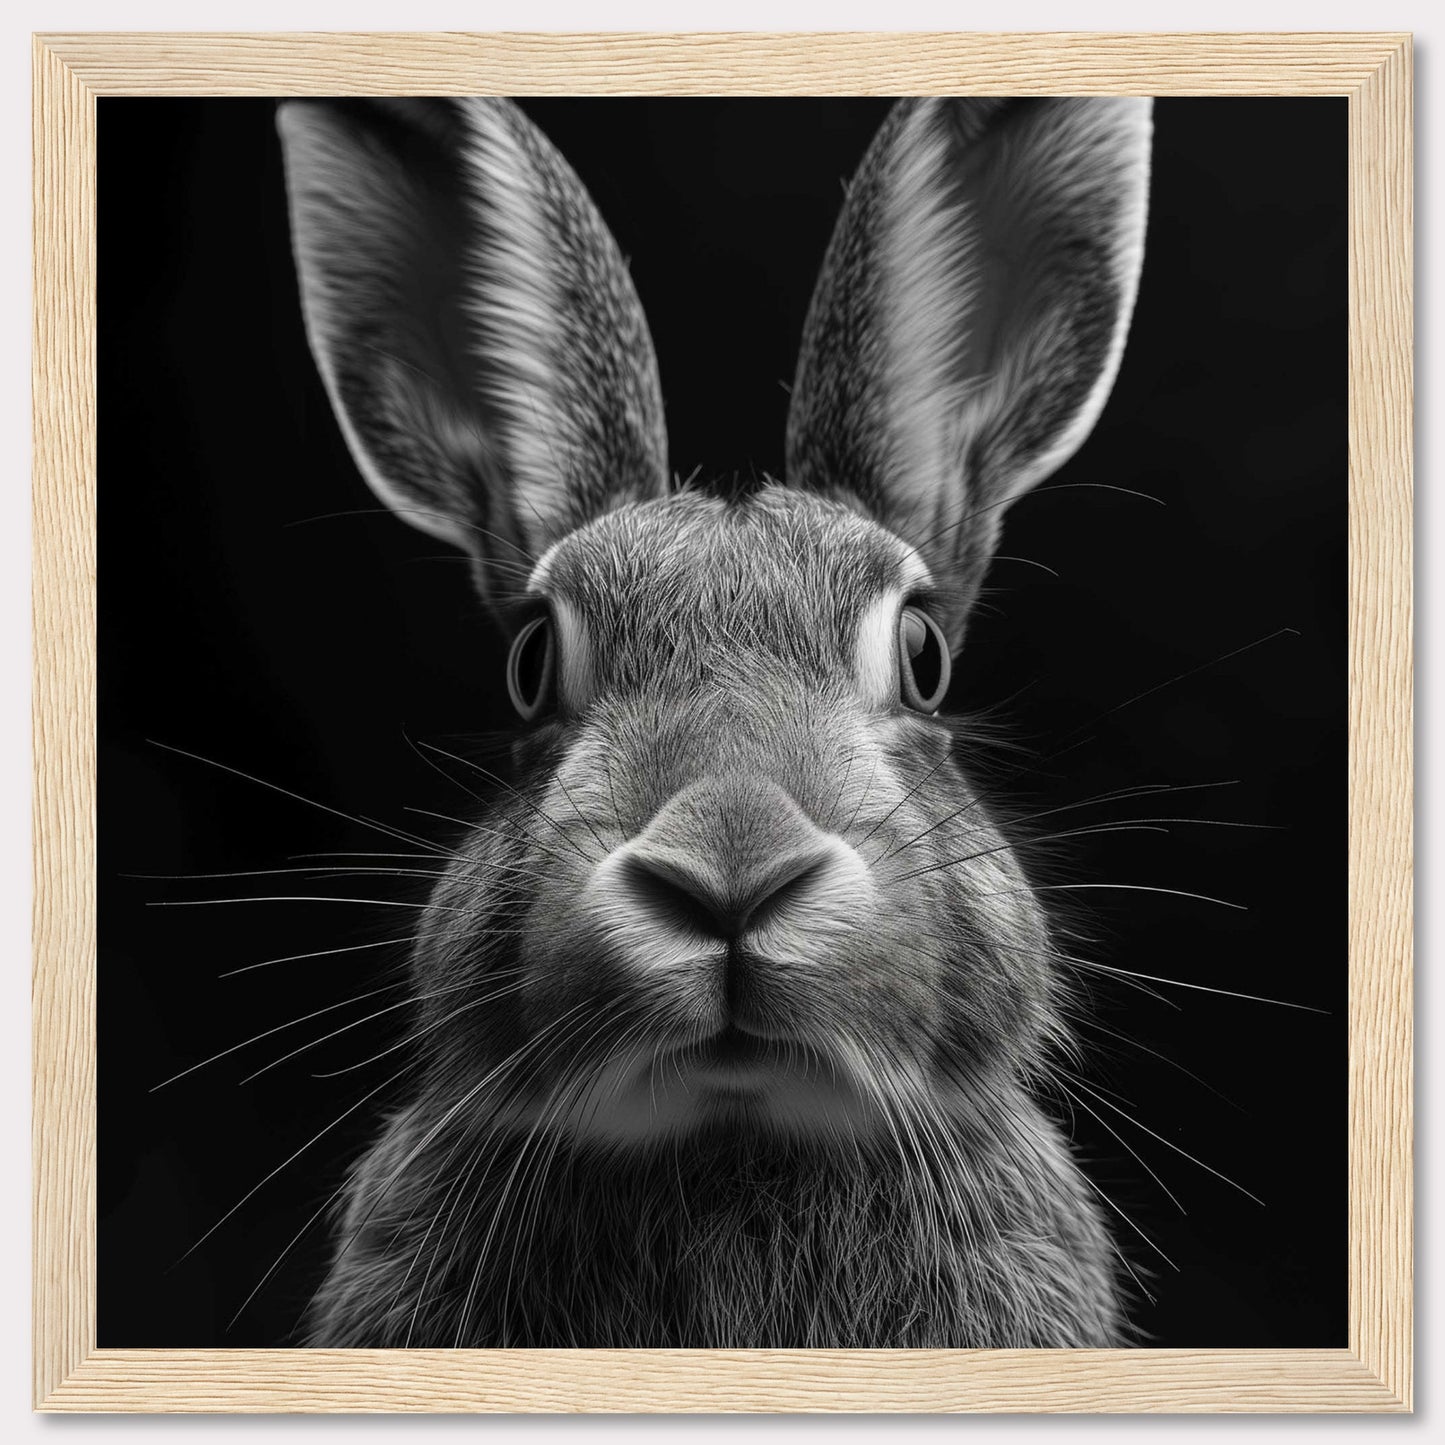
(688, 893)
(727, 855)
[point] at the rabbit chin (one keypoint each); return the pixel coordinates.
(732, 1081)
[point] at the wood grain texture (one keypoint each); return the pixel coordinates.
(63, 602)
(708, 1381)
(1381, 578)
(854, 63)
(1373, 1374)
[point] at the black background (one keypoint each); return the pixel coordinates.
(243, 619)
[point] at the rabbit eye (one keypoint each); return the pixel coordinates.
(531, 669)
(923, 664)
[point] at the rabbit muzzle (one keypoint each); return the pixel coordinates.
(724, 905)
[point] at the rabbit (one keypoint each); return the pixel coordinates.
(732, 1011)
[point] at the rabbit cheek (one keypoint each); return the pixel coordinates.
(999, 995)
(565, 971)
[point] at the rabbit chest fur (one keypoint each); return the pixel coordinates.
(731, 1011)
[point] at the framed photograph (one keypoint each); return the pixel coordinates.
(723, 722)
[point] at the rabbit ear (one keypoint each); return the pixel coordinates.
(472, 318)
(970, 315)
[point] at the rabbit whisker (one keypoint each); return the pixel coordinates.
(1092, 1024)
(475, 1158)
(279, 1028)
(1122, 1214)
(1026, 561)
(521, 833)
(532, 1183)
(504, 1200)
(320, 953)
(1039, 492)
(409, 1002)
(1117, 795)
(1008, 847)
(466, 1098)
(370, 853)
(1129, 887)
(1198, 987)
(437, 768)
(1169, 682)
(523, 798)
(457, 1188)
(422, 1033)
(312, 870)
(450, 518)
(842, 786)
(909, 794)
(862, 797)
(1124, 1143)
(296, 797)
(291, 1158)
(1124, 977)
(1168, 1143)
(309, 898)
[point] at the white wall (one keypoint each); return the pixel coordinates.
(20, 18)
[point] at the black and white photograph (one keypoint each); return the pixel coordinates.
(723, 722)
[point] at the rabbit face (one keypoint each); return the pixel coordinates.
(748, 870)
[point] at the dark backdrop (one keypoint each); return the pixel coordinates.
(255, 609)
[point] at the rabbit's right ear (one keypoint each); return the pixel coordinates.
(970, 316)
(473, 321)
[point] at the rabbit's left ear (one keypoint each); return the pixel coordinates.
(473, 320)
(970, 316)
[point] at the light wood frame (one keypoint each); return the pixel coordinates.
(1374, 1372)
